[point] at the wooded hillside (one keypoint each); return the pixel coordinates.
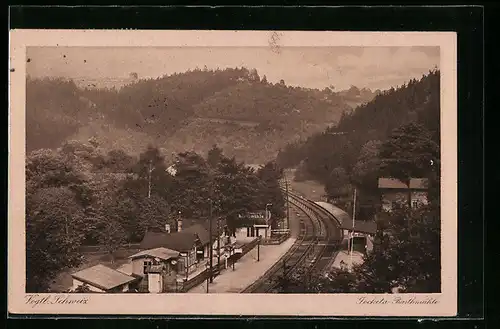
(180, 111)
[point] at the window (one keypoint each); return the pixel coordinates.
(414, 203)
(147, 264)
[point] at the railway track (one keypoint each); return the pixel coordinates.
(313, 249)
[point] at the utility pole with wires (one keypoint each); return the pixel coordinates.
(211, 250)
(150, 170)
(218, 243)
(287, 205)
(352, 234)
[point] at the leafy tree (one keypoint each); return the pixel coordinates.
(83, 289)
(270, 175)
(119, 161)
(150, 175)
(54, 232)
(337, 185)
(191, 184)
(406, 254)
(47, 168)
(111, 235)
(215, 155)
(408, 153)
(366, 170)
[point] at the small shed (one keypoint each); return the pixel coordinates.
(100, 278)
(361, 229)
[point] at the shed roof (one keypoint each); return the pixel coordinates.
(338, 213)
(345, 220)
(103, 277)
(368, 227)
(393, 183)
(178, 241)
(161, 253)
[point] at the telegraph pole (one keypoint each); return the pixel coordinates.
(211, 244)
(218, 244)
(353, 223)
(287, 206)
(149, 180)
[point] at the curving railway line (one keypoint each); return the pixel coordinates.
(314, 249)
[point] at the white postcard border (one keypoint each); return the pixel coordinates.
(230, 304)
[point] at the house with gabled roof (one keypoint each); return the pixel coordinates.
(100, 278)
(191, 243)
(395, 192)
(157, 269)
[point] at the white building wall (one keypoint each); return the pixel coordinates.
(420, 197)
(138, 266)
(369, 243)
(155, 283)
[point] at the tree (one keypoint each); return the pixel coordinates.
(337, 185)
(83, 289)
(47, 168)
(409, 153)
(236, 190)
(270, 192)
(55, 228)
(150, 175)
(111, 235)
(254, 76)
(214, 156)
(119, 161)
(366, 171)
(406, 254)
(191, 184)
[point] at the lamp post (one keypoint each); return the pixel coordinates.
(268, 216)
(210, 242)
(352, 237)
(231, 253)
(258, 249)
(173, 262)
(207, 265)
(287, 206)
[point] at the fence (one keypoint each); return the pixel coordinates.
(276, 240)
(102, 249)
(203, 276)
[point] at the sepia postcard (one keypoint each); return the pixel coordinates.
(253, 173)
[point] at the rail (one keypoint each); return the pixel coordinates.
(299, 251)
(318, 242)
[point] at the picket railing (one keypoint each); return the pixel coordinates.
(203, 276)
(102, 249)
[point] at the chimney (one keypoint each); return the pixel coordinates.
(167, 228)
(179, 225)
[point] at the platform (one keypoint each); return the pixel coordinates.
(247, 269)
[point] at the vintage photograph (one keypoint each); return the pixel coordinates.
(261, 169)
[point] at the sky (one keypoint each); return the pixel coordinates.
(310, 67)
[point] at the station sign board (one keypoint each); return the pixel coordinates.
(253, 215)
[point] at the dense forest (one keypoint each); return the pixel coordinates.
(398, 126)
(236, 109)
(395, 135)
(79, 194)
